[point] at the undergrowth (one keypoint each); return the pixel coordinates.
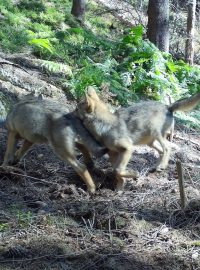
(96, 53)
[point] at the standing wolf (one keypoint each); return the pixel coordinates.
(142, 123)
(43, 121)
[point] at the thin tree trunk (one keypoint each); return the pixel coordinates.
(158, 23)
(78, 9)
(189, 47)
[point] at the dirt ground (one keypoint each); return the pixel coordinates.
(48, 220)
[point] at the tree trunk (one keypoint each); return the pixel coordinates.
(158, 23)
(78, 9)
(189, 48)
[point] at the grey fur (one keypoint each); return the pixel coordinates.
(43, 121)
(147, 122)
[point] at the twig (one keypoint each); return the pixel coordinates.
(35, 178)
(86, 226)
(24, 175)
(181, 183)
(110, 231)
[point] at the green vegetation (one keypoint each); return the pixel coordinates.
(3, 227)
(94, 54)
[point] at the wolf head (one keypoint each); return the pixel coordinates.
(91, 104)
(91, 99)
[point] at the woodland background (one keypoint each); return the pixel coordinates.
(57, 48)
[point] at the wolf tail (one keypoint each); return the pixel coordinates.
(185, 104)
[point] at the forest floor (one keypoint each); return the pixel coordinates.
(48, 220)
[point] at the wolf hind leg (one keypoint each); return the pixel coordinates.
(157, 147)
(11, 148)
(163, 163)
(22, 150)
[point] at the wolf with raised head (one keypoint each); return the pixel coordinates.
(146, 122)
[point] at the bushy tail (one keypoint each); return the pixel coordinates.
(185, 104)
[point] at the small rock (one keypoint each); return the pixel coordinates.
(164, 231)
(37, 204)
(42, 212)
(195, 255)
(174, 190)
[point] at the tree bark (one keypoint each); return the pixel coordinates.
(189, 47)
(158, 23)
(78, 9)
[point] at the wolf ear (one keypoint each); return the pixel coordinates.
(89, 104)
(92, 93)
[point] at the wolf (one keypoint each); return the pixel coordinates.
(38, 120)
(147, 122)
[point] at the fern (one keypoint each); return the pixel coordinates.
(42, 43)
(54, 67)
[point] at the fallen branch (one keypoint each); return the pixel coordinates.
(14, 65)
(186, 139)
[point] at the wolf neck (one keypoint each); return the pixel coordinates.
(100, 123)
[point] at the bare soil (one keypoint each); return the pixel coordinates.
(48, 220)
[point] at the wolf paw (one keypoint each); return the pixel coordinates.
(91, 190)
(128, 174)
(135, 174)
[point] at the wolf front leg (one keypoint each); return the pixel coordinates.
(82, 171)
(86, 155)
(120, 168)
(67, 154)
(114, 158)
